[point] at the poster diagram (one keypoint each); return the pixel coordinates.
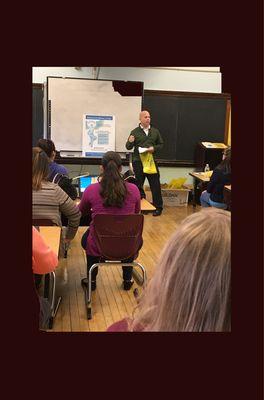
(98, 135)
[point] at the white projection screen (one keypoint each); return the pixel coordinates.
(69, 99)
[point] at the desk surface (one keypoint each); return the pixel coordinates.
(200, 176)
(51, 235)
(145, 205)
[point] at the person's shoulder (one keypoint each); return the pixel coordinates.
(135, 130)
(58, 190)
(94, 186)
(92, 189)
(61, 169)
(48, 185)
(154, 129)
(58, 168)
(131, 187)
(119, 326)
(124, 326)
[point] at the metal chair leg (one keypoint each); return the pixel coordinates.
(88, 292)
(54, 308)
(141, 280)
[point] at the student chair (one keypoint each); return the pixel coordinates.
(118, 238)
(49, 290)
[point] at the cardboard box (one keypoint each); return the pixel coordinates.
(175, 197)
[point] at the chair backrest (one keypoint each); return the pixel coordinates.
(42, 222)
(118, 237)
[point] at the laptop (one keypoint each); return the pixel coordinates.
(86, 181)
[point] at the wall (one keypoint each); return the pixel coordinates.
(196, 79)
(166, 173)
(189, 79)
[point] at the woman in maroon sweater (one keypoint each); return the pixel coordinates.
(112, 195)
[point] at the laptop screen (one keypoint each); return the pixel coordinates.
(86, 181)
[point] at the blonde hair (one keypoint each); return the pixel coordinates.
(190, 291)
(40, 167)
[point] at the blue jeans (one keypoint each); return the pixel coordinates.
(207, 202)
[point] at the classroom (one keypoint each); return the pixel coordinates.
(165, 134)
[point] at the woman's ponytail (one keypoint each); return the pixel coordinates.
(113, 187)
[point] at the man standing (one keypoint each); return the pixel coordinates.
(146, 137)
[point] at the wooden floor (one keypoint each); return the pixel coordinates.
(109, 302)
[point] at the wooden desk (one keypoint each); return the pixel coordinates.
(199, 178)
(147, 206)
(51, 235)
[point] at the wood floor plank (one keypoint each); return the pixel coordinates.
(97, 323)
(105, 306)
(115, 312)
(129, 301)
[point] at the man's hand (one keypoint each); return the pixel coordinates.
(131, 138)
(151, 149)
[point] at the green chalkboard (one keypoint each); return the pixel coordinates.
(184, 119)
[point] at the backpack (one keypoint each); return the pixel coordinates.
(129, 176)
(66, 184)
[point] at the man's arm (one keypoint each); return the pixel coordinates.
(159, 142)
(130, 142)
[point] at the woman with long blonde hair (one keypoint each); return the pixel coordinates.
(191, 288)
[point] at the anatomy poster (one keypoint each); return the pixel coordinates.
(98, 135)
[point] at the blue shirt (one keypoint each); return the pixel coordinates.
(55, 168)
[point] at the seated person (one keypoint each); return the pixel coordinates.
(57, 173)
(44, 260)
(48, 199)
(191, 287)
(48, 146)
(214, 194)
(112, 195)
